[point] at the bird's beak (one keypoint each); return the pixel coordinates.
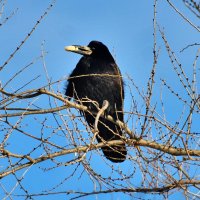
(83, 50)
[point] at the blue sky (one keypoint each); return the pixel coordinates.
(125, 27)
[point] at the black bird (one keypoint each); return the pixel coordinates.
(97, 78)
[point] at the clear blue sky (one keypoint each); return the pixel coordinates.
(126, 27)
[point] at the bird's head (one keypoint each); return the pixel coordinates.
(94, 49)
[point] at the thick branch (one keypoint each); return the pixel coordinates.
(141, 142)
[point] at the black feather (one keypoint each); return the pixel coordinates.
(97, 78)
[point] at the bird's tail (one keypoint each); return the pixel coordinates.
(108, 131)
(115, 153)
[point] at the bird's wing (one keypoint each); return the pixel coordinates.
(70, 87)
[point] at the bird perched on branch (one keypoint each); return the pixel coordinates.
(96, 78)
